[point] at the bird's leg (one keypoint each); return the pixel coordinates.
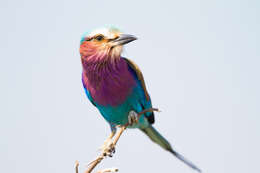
(132, 118)
(108, 147)
(95, 162)
(121, 130)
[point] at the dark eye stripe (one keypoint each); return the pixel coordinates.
(98, 38)
(88, 39)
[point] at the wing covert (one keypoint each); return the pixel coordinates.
(147, 102)
(139, 76)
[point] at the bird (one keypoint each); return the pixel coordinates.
(115, 85)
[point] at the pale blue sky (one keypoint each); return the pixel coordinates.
(200, 60)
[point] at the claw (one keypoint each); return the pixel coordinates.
(132, 118)
(108, 148)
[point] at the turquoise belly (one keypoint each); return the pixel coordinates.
(118, 115)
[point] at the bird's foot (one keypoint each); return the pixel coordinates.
(132, 118)
(108, 148)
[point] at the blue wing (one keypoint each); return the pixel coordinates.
(145, 100)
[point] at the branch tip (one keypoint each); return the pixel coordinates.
(108, 170)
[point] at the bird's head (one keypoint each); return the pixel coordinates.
(106, 43)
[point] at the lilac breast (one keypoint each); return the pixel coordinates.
(109, 84)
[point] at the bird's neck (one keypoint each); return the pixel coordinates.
(97, 68)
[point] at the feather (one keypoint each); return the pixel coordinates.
(139, 75)
(156, 137)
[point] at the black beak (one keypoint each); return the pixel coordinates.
(123, 39)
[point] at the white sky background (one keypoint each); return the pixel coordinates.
(200, 60)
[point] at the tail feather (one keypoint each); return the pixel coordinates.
(156, 137)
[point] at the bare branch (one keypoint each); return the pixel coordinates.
(95, 162)
(77, 166)
(108, 170)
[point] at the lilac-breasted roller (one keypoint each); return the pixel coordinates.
(115, 85)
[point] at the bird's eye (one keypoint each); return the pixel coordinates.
(99, 37)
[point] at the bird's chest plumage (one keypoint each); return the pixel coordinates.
(109, 86)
